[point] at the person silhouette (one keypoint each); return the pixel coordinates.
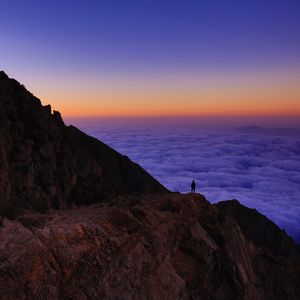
(193, 186)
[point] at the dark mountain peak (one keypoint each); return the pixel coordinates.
(273, 131)
(3, 75)
(46, 164)
(57, 116)
(249, 128)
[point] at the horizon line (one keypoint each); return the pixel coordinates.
(185, 116)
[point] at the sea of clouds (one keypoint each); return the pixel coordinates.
(261, 170)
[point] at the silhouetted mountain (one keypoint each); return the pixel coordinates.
(145, 243)
(45, 163)
(294, 132)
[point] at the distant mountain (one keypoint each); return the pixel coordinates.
(294, 132)
(139, 241)
(46, 164)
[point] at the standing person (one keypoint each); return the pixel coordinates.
(193, 186)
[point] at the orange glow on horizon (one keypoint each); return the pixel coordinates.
(266, 95)
(187, 103)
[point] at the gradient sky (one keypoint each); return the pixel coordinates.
(147, 57)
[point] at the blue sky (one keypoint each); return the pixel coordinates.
(46, 44)
(146, 35)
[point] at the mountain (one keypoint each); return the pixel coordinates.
(163, 246)
(253, 129)
(80, 221)
(46, 164)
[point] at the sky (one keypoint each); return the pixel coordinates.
(155, 58)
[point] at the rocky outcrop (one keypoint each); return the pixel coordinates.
(46, 164)
(259, 228)
(150, 247)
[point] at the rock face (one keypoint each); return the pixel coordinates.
(44, 163)
(151, 247)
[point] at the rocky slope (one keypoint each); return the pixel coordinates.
(44, 163)
(166, 246)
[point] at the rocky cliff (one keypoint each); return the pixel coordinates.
(147, 247)
(46, 164)
(138, 241)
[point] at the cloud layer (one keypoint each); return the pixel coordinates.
(261, 171)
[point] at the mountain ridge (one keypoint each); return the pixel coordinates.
(51, 165)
